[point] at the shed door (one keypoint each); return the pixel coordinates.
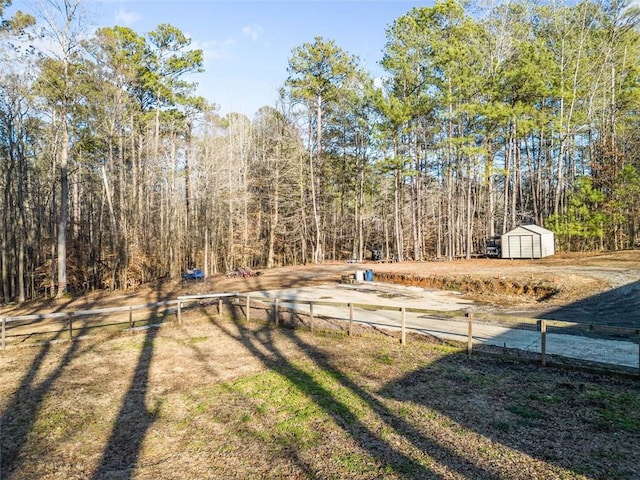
(521, 246)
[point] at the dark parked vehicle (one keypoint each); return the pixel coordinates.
(494, 246)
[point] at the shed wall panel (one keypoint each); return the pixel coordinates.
(528, 241)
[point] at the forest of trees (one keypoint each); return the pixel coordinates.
(113, 173)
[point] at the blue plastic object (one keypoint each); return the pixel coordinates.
(194, 274)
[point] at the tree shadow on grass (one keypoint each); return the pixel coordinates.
(576, 421)
(21, 413)
(569, 423)
(120, 456)
(134, 419)
(262, 345)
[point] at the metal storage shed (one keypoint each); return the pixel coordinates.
(528, 241)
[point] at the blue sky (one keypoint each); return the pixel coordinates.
(247, 44)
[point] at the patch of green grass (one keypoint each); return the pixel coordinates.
(524, 411)
(385, 433)
(195, 340)
(500, 425)
(54, 422)
(295, 431)
(535, 396)
(287, 403)
(453, 371)
(404, 411)
(617, 410)
(446, 349)
(355, 463)
(384, 358)
(480, 381)
(609, 454)
(619, 419)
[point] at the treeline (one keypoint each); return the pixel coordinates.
(114, 173)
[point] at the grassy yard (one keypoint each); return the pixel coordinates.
(222, 399)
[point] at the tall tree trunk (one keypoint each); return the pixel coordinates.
(187, 196)
(397, 210)
(315, 183)
(469, 216)
(21, 227)
(491, 221)
(64, 207)
(360, 214)
(273, 220)
(4, 254)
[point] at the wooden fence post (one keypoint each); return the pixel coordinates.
(543, 342)
(4, 332)
(70, 317)
(403, 336)
(220, 307)
(275, 311)
(131, 322)
(469, 332)
(248, 314)
(311, 316)
(350, 319)
(179, 312)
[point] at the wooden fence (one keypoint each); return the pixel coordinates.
(67, 319)
(467, 328)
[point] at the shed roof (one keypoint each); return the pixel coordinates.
(535, 229)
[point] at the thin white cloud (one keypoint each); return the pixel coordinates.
(127, 18)
(215, 50)
(253, 31)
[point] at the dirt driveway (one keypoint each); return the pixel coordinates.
(602, 288)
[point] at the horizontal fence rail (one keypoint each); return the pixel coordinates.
(68, 318)
(548, 339)
(207, 296)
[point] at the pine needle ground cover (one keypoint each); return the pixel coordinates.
(223, 399)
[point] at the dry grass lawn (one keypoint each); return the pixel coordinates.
(217, 399)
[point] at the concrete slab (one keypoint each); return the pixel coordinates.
(376, 293)
(624, 353)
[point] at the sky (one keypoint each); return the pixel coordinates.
(247, 44)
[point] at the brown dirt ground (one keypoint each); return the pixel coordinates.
(569, 284)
